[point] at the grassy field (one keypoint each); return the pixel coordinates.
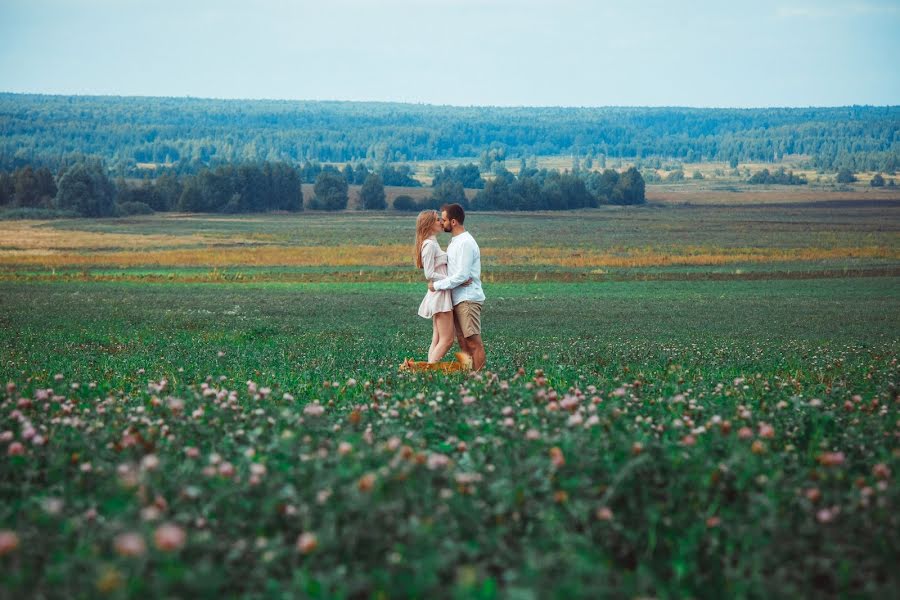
(679, 401)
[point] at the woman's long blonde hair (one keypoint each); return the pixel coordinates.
(424, 223)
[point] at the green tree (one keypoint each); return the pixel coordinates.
(330, 192)
(86, 189)
(877, 180)
(34, 188)
(7, 188)
(845, 175)
(630, 189)
(449, 192)
(405, 203)
(371, 194)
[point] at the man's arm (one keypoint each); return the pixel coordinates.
(462, 271)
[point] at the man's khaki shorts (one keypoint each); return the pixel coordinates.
(467, 317)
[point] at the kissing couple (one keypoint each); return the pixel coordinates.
(454, 298)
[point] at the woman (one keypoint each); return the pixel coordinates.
(437, 306)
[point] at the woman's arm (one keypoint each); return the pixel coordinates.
(429, 253)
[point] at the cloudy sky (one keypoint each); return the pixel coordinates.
(461, 52)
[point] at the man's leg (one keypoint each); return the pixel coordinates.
(476, 351)
(463, 343)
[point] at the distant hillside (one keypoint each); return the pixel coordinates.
(189, 132)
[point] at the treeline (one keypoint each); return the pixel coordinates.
(85, 188)
(535, 189)
(778, 176)
(191, 134)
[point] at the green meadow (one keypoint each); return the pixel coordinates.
(644, 427)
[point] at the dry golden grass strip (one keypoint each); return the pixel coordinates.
(399, 255)
(36, 236)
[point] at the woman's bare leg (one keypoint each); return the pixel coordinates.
(443, 323)
(435, 337)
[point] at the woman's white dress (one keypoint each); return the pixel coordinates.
(434, 263)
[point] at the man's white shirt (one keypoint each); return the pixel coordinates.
(463, 262)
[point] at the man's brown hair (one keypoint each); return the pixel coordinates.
(454, 211)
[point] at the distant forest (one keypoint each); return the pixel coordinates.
(191, 134)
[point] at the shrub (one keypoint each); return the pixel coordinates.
(330, 192)
(406, 203)
(845, 176)
(13, 214)
(127, 209)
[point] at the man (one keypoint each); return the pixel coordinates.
(463, 264)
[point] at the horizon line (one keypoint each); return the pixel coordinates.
(447, 105)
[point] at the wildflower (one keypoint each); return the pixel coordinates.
(151, 513)
(758, 447)
(9, 542)
(226, 469)
(129, 544)
(366, 482)
(604, 514)
(827, 515)
(532, 434)
(191, 452)
(637, 448)
(713, 521)
(766, 430)
(52, 506)
(345, 448)
(15, 449)
(307, 542)
(556, 457)
(437, 461)
(881, 471)
(745, 433)
(169, 537)
(813, 494)
(831, 459)
(150, 462)
(689, 440)
(314, 410)
(466, 479)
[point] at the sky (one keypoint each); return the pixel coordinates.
(460, 52)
